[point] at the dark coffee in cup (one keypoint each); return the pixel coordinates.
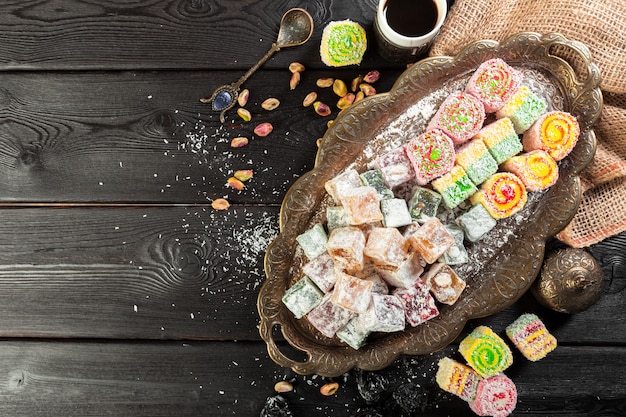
(411, 18)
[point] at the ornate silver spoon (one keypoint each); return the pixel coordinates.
(296, 27)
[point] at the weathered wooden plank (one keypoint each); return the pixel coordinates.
(160, 34)
(145, 137)
(177, 272)
(92, 378)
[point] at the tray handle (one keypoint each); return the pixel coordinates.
(266, 329)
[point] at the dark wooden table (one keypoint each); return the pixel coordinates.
(122, 292)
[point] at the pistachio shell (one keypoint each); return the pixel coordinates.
(321, 108)
(244, 114)
(283, 386)
(340, 88)
(270, 104)
(367, 89)
(238, 142)
(242, 100)
(234, 183)
(360, 95)
(329, 389)
(296, 67)
(324, 82)
(294, 81)
(309, 99)
(371, 77)
(243, 175)
(220, 204)
(263, 129)
(354, 85)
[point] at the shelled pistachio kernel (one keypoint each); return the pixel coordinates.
(354, 85)
(220, 204)
(340, 88)
(243, 175)
(294, 80)
(270, 104)
(346, 101)
(371, 77)
(360, 95)
(324, 82)
(234, 183)
(238, 142)
(329, 388)
(263, 129)
(243, 97)
(367, 89)
(283, 386)
(321, 108)
(296, 67)
(245, 115)
(309, 99)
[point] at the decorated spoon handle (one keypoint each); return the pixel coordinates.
(264, 58)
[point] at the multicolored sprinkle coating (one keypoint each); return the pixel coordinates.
(537, 169)
(486, 352)
(530, 336)
(555, 132)
(523, 108)
(503, 195)
(495, 397)
(457, 379)
(343, 43)
(460, 116)
(454, 187)
(431, 155)
(493, 83)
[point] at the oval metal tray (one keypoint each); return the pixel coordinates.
(503, 267)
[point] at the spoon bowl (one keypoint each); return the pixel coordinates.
(296, 27)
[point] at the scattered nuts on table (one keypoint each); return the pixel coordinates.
(238, 142)
(324, 82)
(296, 67)
(367, 89)
(245, 115)
(354, 85)
(329, 388)
(263, 129)
(220, 204)
(283, 386)
(294, 80)
(270, 104)
(340, 88)
(321, 108)
(371, 77)
(242, 100)
(234, 183)
(243, 175)
(346, 101)
(309, 99)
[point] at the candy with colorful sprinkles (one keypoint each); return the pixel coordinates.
(486, 352)
(555, 132)
(454, 187)
(445, 285)
(530, 336)
(343, 43)
(475, 159)
(395, 167)
(424, 204)
(431, 240)
(345, 245)
(460, 116)
(431, 155)
(476, 222)
(302, 297)
(503, 195)
(501, 139)
(493, 83)
(313, 241)
(418, 304)
(523, 108)
(329, 317)
(457, 378)
(321, 270)
(537, 169)
(495, 397)
(352, 293)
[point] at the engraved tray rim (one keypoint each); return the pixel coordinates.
(344, 141)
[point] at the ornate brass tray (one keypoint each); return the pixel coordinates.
(503, 267)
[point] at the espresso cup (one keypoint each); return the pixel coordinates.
(405, 29)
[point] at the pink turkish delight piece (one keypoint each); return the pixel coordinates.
(321, 270)
(328, 317)
(431, 240)
(419, 305)
(444, 283)
(362, 205)
(431, 154)
(386, 246)
(352, 293)
(395, 167)
(385, 314)
(345, 246)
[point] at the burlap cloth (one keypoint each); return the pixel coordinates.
(601, 25)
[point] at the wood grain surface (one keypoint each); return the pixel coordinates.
(124, 293)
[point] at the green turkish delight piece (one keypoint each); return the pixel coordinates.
(424, 204)
(374, 178)
(313, 241)
(302, 297)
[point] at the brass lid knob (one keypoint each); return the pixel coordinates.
(570, 281)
